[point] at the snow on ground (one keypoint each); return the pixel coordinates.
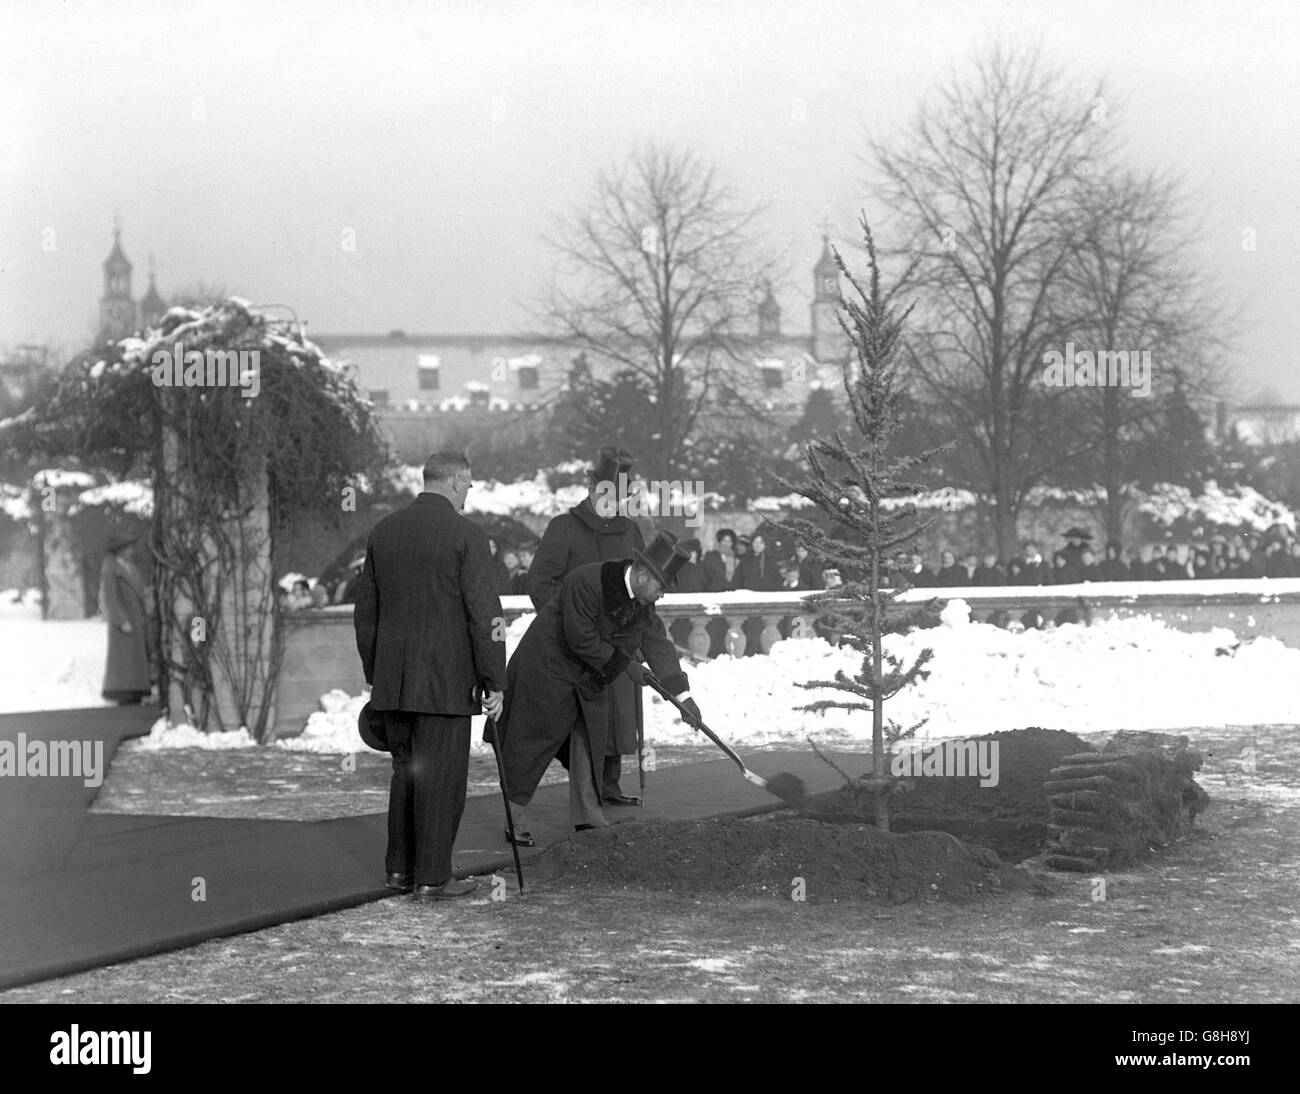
(1117, 674)
(54, 665)
(1133, 673)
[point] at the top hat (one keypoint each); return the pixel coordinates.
(610, 463)
(664, 558)
(1077, 533)
(372, 728)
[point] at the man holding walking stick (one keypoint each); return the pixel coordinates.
(428, 627)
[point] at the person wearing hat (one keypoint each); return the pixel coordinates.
(124, 601)
(427, 628)
(597, 529)
(559, 681)
(1076, 540)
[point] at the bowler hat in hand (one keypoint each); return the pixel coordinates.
(373, 731)
(664, 558)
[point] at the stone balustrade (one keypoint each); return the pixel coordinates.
(320, 647)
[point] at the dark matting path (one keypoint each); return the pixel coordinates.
(79, 890)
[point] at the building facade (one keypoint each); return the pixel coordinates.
(428, 373)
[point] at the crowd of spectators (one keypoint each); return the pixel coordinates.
(747, 562)
(742, 562)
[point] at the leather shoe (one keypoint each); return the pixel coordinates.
(447, 891)
(522, 839)
(620, 799)
(403, 883)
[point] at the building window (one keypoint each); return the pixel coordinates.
(379, 398)
(428, 367)
(428, 379)
(773, 377)
(527, 377)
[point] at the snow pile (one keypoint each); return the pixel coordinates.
(134, 497)
(163, 736)
(14, 503)
(1134, 673)
(1240, 507)
(1117, 674)
(528, 496)
(58, 478)
(333, 728)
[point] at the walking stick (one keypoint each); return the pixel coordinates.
(640, 752)
(490, 732)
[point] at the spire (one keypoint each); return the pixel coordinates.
(152, 305)
(826, 264)
(117, 259)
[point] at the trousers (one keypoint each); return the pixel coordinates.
(426, 797)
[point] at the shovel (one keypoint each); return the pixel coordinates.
(789, 788)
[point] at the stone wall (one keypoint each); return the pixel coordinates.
(320, 646)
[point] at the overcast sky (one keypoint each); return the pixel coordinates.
(238, 142)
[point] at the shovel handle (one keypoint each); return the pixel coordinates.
(693, 721)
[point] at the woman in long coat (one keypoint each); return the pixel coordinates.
(123, 600)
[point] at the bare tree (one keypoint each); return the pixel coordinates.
(1137, 291)
(657, 274)
(984, 190)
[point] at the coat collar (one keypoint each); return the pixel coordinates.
(586, 512)
(613, 589)
(426, 497)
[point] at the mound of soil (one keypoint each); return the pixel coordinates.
(1010, 818)
(779, 855)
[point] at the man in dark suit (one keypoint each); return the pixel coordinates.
(429, 630)
(597, 529)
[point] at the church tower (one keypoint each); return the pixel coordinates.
(152, 305)
(116, 307)
(828, 340)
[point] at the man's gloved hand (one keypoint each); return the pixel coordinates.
(694, 708)
(639, 673)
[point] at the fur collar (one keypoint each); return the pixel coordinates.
(613, 589)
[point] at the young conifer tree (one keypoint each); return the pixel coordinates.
(865, 488)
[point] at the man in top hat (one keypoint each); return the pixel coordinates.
(560, 680)
(426, 619)
(597, 529)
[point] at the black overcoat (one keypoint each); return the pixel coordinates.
(122, 599)
(428, 619)
(578, 538)
(578, 644)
